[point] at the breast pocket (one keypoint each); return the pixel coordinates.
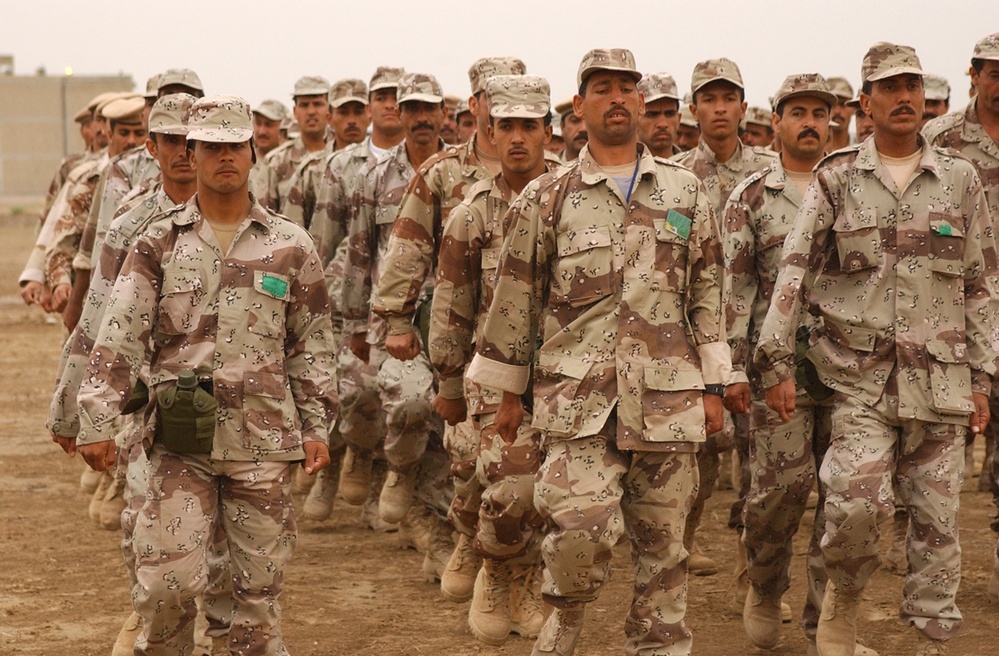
(858, 240)
(268, 305)
(181, 297)
(584, 272)
(946, 245)
(673, 247)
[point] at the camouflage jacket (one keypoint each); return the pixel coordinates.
(903, 281)
(254, 321)
(282, 164)
(299, 205)
(721, 178)
(758, 217)
(625, 298)
(70, 222)
(334, 191)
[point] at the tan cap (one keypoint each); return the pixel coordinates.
(607, 59)
(712, 70)
(84, 115)
(936, 87)
(221, 119)
(421, 87)
(563, 108)
(853, 103)
(452, 102)
(487, 67)
(888, 60)
(518, 96)
(462, 108)
(805, 84)
(840, 87)
(348, 90)
(385, 77)
(758, 116)
(687, 117)
(656, 86)
(170, 113)
(107, 98)
(153, 86)
(311, 85)
(125, 110)
(273, 110)
(987, 48)
(184, 76)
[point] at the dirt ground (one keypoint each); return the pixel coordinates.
(349, 591)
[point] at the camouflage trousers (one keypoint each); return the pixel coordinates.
(461, 442)
(991, 468)
(867, 446)
(708, 465)
(783, 458)
(591, 493)
(741, 437)
(187, 496)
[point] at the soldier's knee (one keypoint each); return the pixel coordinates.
(409, 415)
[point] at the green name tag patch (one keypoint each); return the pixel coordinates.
(678, 224)
(274, 285)
(943, 229)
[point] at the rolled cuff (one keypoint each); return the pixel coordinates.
(716, 363)
(738, 376)
(81, 262)
(452, 388)
(981, 382)
(780, 372)
(511, 378)
(399, 325)
(31, 275)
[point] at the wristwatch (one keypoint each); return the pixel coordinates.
(717, 390)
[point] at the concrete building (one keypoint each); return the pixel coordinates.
(36, 123)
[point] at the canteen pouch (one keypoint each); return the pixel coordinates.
(186, 419)
(805, 375)
(138, 399)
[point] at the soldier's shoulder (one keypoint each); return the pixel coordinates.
(760, 154)
(480, 188)
(448, 156)
(939, 126)
(756, 179)
(842, 157)
(278, 153)
(953, 160)
(685, 157)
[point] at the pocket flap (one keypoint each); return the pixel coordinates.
(856, 220)
(854, 337)
(942, 351)
(179, 281)
(945, 228)
(260, 383)
(574, 241)
(564, 365)
(490, 258)
(668, 379)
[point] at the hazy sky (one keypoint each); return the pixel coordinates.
(257, 49)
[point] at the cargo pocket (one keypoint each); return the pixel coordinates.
(557, 411)
(858, 240)
(950, 377)
(584, 272)
(672, 408)
(946, 246)
(265, 418)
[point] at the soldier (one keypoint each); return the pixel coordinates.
(267, 118)
(688, 134)
(782, 458)
(180, 80)
(898, 233)
(757, 129)
(937, 97)
(449, 128)
(864, 124)
(573, 131)
(718, 100)
(466, 122)
(617, 260)
(252, 424)
(839, 126)
(506, 596)
(657, 126)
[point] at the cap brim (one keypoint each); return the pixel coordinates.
(830, 98)
(169, 129)
(898, 70)
(340, 102)
(720, 78)
(421, 97)
(519, 112)
(269, 117)
(311, 92)
(216, 135)
(661, 96)
(586, 72)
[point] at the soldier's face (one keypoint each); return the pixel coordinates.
(466, 126)
(687, 136)
(170, 150)
(449, 128)
(101, 137)
(610, 108)
(986, 84)
(312, 114)
(384, 111)
(520, 143)
(574, 134)
(719, 109)
(349, 122)
(865, 126)
(757, 135)
(266, 133)
(421, 121)
(87, 132)
(555, 145)
(933, 109)
(125, 136)
(223, 167)
(658, 124)
(895, 104)
(840, 113)
(803, 127)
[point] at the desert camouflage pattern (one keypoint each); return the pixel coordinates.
(69, 225)
(936, 87)
(273, 110)
(270, 366)
(657, 86)
(311, 85)
(607, 59)
(279, 175)
(299, 205)
(183, 76)
(524, 96)
(758, 116)
(721, 178)
(385, 77)
(169, 114)
(885, 59)
(422, 87)
(807, 84)
(220, 119)
(348, 90)
(487, 67)
(929, 247)
(711, 70)
(625, 308)
(337, 176)
(987, 48)
(838, 86)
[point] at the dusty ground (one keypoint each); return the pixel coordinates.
(62, 590)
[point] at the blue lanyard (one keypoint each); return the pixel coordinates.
(627, 199)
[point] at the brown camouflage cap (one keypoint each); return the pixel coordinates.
(888, 60)
(421, 87)
(757, 116)
(687, 117)
(220, 119)
(840, 87)
(311, 85)
(273, 110)
(184, 76)
(563, 108)
(712, 70)
(452, 102)
(153, 86)
(518, 96)
(487, 67)
(125, 110)
(805, 84)
(170, 113)
(348, 90)
(987, 48)
(656, 86)
(607, 59)
(385, 77)
(461, 108)
(936, 87)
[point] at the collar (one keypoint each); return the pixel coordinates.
(592, 174)
(868, 158)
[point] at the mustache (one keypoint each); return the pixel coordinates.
(423, 126)
(582, 135)
(904, 109)
(808, 132)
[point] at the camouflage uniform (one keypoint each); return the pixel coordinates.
(625, 297)
(907, 310)
(69, 225)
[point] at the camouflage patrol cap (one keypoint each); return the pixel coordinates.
(153, 86)
(987, 48)
(487, 67)
(853, 103)
(220, 119)
(657, 86)
(712, 70)
(111, 97)
(125, 110)
(311, 85)
(607, 59)
(273, 110)
(936, 87)
(183, 76)
(452, 101)
(347, 91)
(888, 60)
(462, 108)
(840, 87)
(421, 87)
(563, 108)
(758, 116)
(806, 84)
(518, 96)
(687, 117)
(385, 77)
(170, 113)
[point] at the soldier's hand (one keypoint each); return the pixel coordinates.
(31, 292)
(980, 415)
(452, 411)
(317, 457)
(60, 296)
(99, 455)
(737, 398)
(359, 347)
(780, 399)
(68, 444)
(403, 347)
(714, 413)
(71, 314)
(46, 300)
(509, 417)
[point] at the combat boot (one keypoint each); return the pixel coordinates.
(356, 476)
(929, 647)
(526, 615)
(113, 504)
(396, 496)
(994, 580)
(741, 583)
(459, 576)
(319, 504)
(837, 631)
(124, 645)
(97, 498)
(761, 617)
(698, 564)
(89, 480)
(439, 548)
(489, 614)
(301, 482)
(414, 530)
(560, 633)
(370, 518)
(896, 559)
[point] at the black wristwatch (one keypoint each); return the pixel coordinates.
(717, 390)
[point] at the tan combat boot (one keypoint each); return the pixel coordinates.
(89, 480)
(301, 482)
(526, 614)
(837, 631)
(929, 647)
(97, 498)
(560, 633)
(414, 530)
(489, 614)
(761, 617)
(124, 645)
(356, 476)
(459, 576)
(439, 548)
(698, 564)
(396, 496)
(113, 504)
(319, 504)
